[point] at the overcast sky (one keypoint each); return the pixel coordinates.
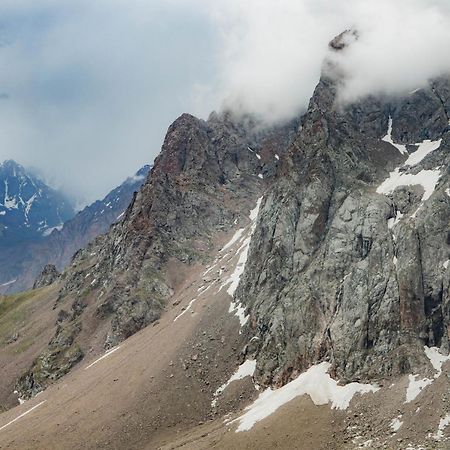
(89, 87)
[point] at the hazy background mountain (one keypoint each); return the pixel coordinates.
(39, 227)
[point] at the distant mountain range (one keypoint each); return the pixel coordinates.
(28, 207)
(38, 225)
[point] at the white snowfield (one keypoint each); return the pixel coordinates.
(428, 179)
(247, 369)
(315, 382)
(416, 386)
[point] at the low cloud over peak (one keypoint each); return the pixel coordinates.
(272, 52)
(89, 88)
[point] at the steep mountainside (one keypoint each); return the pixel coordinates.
(206, 179)
(22, 261)
(28, 207)
(349, 260)
(297, 267)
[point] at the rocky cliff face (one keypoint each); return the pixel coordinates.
(205, 180)
(23, 260)
(349, 260)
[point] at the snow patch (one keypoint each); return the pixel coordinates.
(239, 312)
(247, 369)
(277, 157)
(415, 387)
(8, 283)
(436, 358)
(445, 264)
(394, 220)
(396, 424)
(50, 230)
(425, 148)
(428, 179)
(443, 424)
(315, 382)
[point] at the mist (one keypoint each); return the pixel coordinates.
(88, 89)
(272, 52)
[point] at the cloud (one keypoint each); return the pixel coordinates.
(93, 86)
(272, 51)
(88, 88)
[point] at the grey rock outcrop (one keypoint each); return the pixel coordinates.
(48, 276)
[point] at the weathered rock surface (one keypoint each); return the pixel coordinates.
(206, 179)
(331, 273)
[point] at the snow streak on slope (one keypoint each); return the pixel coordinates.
(388, 138)
(188, 307)
(22, 415)
(233, 281)
(109, 352)
(315, 382)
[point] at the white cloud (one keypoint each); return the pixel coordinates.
(272, 51)
(93, 85)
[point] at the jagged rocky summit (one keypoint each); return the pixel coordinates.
(206, 178)
(349, 259)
